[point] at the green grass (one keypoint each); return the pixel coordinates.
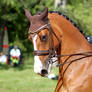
(23, 79)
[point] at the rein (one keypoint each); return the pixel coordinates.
(52, 52)
(83, 55)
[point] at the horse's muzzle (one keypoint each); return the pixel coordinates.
(44, 72)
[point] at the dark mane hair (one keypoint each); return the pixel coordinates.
(62, 14)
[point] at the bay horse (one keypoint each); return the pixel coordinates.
(54, 35)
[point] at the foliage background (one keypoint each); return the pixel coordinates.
(12, 15)
(23, 79)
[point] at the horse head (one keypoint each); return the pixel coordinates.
(54, 35)
(40, 33)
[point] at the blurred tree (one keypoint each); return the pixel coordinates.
(64, 2)
(80, 12)
(57, 4)
(12, 14)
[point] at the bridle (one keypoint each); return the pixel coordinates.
(52, 52)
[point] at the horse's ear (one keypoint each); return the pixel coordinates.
(28, 15)
(44, 14)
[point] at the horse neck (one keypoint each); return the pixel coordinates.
(72, 40)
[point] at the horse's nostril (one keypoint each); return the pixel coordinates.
(44, 72)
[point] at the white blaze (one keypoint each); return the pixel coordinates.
(37, 61)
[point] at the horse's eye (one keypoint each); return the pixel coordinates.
(43, 38)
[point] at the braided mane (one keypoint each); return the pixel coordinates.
(62, 14)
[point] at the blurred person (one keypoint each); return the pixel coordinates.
(3, 58)
(15, 55)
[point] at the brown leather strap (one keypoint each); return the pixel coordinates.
(39, 29)
(41, 52)
(51, 53)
